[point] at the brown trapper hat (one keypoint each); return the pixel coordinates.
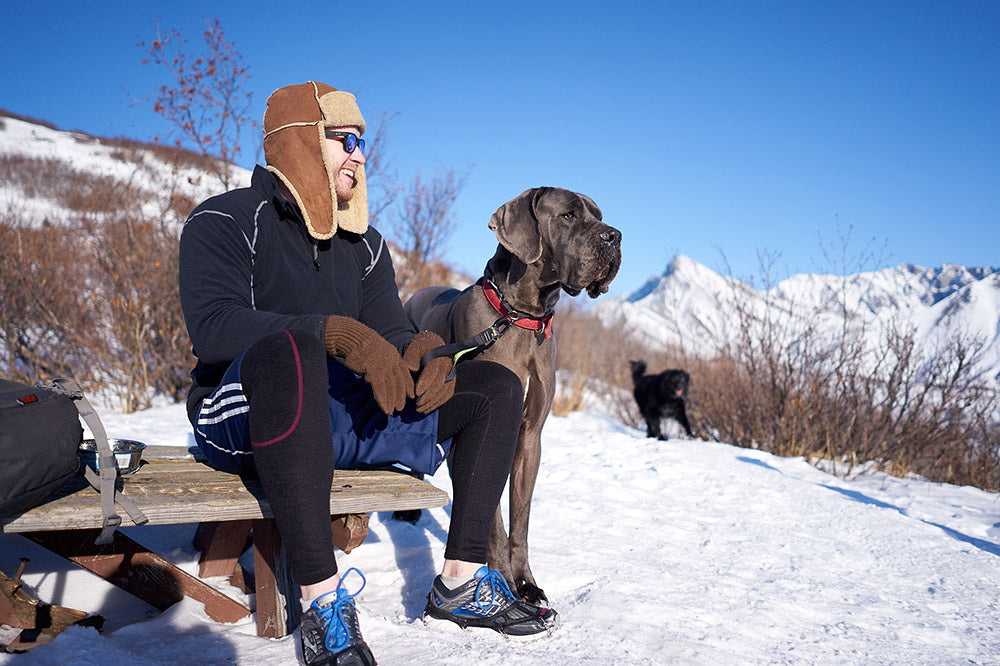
(294, 149)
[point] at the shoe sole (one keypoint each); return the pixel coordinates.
(449, 626)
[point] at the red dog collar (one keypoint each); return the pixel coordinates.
(495, 298)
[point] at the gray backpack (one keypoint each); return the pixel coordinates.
(40, 435)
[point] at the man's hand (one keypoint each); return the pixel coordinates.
(433, 386)
(369, 354)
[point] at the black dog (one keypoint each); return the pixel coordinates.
(660, 396)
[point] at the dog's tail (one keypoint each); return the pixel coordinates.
(638, 369)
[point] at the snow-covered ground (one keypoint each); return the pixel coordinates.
(679, 552)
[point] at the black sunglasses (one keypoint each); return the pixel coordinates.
(351, 141)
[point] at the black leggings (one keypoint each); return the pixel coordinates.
(285, 379)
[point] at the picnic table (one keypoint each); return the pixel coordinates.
(174, 485)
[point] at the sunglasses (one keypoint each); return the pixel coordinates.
(351, 141)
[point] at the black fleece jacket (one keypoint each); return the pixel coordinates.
(248, 267)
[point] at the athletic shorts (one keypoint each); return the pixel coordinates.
(364, 437)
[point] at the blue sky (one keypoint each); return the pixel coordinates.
(719, 130)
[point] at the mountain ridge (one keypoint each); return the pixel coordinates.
(696, 310)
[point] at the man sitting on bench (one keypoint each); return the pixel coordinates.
(306, 362)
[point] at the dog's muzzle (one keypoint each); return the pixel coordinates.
(609, 252)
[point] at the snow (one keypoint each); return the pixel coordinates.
(678, 552)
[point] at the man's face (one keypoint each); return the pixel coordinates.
(344, 164)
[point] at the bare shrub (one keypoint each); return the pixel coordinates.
(412, 275)
(73, 189)
(782, 386)
(130, 151)
(422, 227)
(4, 113)
(135, 269)
(592, 356)
(789, 387)
(45, 316)
(580, 357)
(383, 186)
(205, 104)
(95, 300)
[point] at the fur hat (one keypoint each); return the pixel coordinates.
(294, 149)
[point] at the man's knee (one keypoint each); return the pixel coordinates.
(288, 353)
(501, 385)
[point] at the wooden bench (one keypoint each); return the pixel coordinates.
(174, 486)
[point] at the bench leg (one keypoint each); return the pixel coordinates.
(349, 530)
(278, 607)
(221, 545)
(136, 570)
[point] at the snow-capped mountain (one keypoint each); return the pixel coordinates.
(698, 311)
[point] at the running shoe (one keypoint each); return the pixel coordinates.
(486, 602)
(330, 631)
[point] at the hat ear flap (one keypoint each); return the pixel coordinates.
(296, 155)
(516, 227)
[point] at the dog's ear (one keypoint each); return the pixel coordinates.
(516, 227)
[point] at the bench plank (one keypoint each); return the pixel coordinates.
(173, 487)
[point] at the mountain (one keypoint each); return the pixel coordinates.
(694, 309)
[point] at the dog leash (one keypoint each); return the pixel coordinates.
(508, 317)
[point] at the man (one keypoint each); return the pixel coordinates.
(306, 362)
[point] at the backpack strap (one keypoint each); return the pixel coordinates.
(107, 481)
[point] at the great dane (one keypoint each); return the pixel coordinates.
(550, 240)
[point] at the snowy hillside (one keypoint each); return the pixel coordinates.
(696, 309)
(38, 164)
(33, 155)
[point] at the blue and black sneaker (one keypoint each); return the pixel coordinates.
(330, 631)
(486, 602)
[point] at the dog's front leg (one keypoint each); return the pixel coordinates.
(522, 485)
(653, 427)
(683, 418)
(498, 552)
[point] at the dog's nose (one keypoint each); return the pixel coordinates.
(611, 237)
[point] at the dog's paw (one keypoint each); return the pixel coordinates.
(531, 593)
(411, 516)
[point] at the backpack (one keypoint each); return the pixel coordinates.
(40, 435)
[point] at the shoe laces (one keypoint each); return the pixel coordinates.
(496, 585)
(338, 633)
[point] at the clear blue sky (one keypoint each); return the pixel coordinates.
(712, 129)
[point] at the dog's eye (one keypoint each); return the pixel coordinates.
(569, 216)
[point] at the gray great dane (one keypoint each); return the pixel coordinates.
(550, 240)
